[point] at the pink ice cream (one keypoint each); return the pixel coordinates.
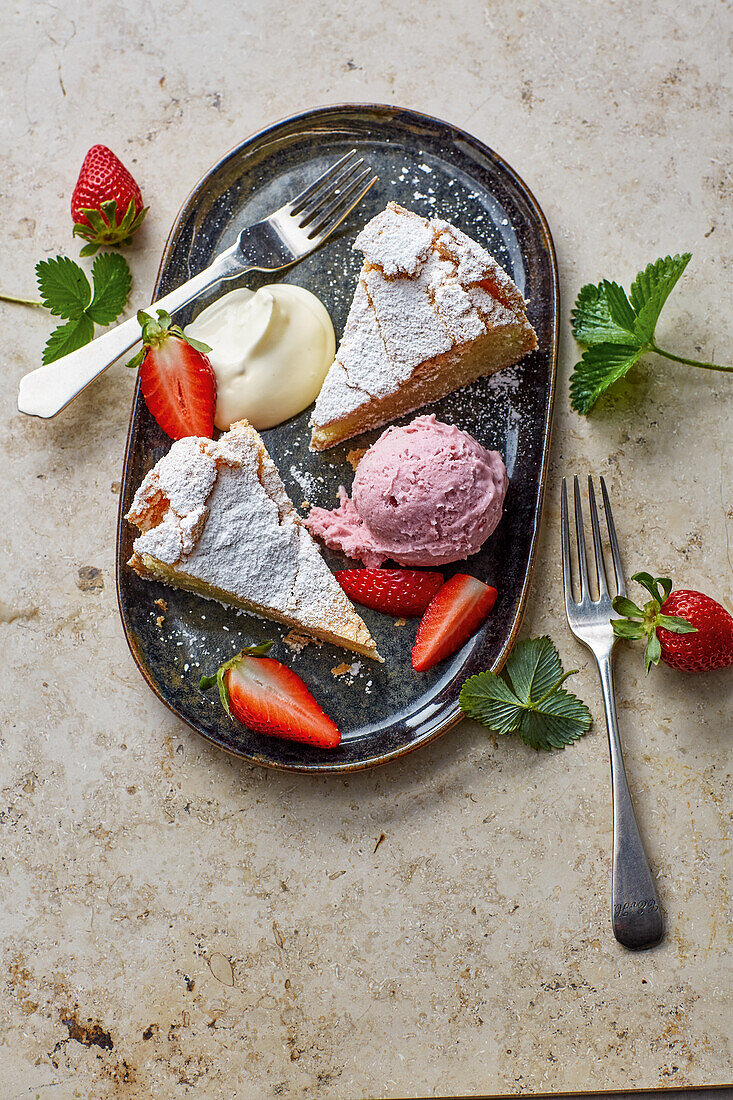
(426, 494)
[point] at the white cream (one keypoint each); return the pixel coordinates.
(270, 351)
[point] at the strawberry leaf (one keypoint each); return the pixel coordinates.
(676, 624)
(624, 628)
(534, 669)
(657, 587)
(112, 282)
(618, 331)
(138, 221)
(129, 217)
(108, 208)
(66, 292)
(197, 345)
(555, 722)
(95, 219)
(136, 360)
(108, 226)
(600, 366)
(527, 698)
(644, 622)
(622, 312)
(488, 699)
(82, 230)
(650, 290)
(627, 608)
(68, 337)
(64, 287)
(592, 319)
(653, 651)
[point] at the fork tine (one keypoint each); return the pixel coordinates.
(297, 204)
(567, 580)
(600, 563)
(336, 185)
(617, 568)
(342, 206)
(580, 539)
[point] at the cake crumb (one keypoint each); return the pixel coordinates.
(297, 642)
(305, 504)
(355, 456)
(159, 620)
(346, 669)
(400, 622)
(161, 604)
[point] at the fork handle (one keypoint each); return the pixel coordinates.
(636, 916)
(49, 389)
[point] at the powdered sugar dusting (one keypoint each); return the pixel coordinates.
(369, 370)
(181, 481)
(237, 531)
(411, 328)
(396, 241)
(455, 308)
(414, 302)
(474, 263)
(305, 480)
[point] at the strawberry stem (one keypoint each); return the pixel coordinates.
(21, 301)
(690, 362)
(563, 678)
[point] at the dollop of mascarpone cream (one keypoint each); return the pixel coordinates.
(270, 352)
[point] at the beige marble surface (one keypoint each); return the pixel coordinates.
(175, 923)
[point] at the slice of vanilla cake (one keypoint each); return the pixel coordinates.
(215, 519)
(432, 312)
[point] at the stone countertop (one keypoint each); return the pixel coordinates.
(177, 923)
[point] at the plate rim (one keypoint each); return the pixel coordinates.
(455, 715)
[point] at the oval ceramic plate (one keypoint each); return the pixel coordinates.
(383, 711)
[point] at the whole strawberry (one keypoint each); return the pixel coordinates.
(107, 206)
(687, 630)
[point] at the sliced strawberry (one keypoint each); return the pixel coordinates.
(176, 378)
(270, 698)
(453, 615)
(394, 591)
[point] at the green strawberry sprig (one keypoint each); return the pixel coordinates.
(618, 330)
(66, 293)
(527, 698)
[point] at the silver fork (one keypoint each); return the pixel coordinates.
(297, 228)
(635, 914)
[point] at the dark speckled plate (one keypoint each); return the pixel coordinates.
(431, 167)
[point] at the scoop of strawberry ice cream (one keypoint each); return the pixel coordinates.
(426, 494)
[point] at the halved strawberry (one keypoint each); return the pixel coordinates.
(176, 378)
(394, 591)
(453, 615)
(269, 697)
